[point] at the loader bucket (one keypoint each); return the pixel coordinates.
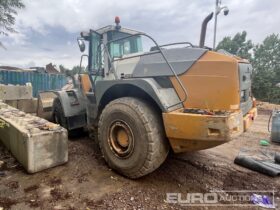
(45, 105)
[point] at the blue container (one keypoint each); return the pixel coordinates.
(275, 127)
(39, 81)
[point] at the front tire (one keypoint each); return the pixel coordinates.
(131, 137)
(59, 118)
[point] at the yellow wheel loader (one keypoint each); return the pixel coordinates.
(142, 104)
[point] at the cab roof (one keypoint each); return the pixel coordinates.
(113, 28)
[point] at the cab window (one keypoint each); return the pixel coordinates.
(95, 52)
(125, 46)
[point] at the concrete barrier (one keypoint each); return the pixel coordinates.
(28, 105)
(25, 105)
(12, 103)
(15, 92)
(36, 143)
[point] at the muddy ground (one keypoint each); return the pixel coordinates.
(86, 182)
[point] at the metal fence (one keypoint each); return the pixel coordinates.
(39, 81)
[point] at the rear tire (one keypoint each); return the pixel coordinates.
(131, 137)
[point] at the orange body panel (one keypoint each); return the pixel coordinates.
(249, 118)
(85, 82)
(212, 78)
(190, 132)
(212, 83)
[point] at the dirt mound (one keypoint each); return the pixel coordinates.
(267, 106)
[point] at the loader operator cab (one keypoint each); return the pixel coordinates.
(105, 46)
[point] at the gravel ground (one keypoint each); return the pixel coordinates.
(86, 182)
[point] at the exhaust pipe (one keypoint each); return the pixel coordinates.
(203, 29)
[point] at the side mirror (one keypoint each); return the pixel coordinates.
(81, 44)
(226, 11)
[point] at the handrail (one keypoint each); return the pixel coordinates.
(164, 57)
(81, 60)
(156, 50)
(177, 43)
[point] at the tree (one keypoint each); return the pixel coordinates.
(238, 45)
(62, 69)
(75, 70)
(265, 58)
(8, 11)
(266, 72)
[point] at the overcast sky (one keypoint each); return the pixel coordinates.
(48, 28)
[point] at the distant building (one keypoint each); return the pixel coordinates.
(10, 68)
(51, 69)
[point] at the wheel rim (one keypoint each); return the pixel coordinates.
(121, 139)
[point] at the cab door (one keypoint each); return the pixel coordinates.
(95, 66)
(95, 72)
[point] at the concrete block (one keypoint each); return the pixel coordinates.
(15, 92)
(12, 103)
(28, 105)
(36, 143)
(25, 105)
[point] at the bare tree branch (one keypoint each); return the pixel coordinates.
(8, 11)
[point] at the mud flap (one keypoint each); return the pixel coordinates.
(265, 167)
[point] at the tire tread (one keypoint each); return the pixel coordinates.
(157, 145)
